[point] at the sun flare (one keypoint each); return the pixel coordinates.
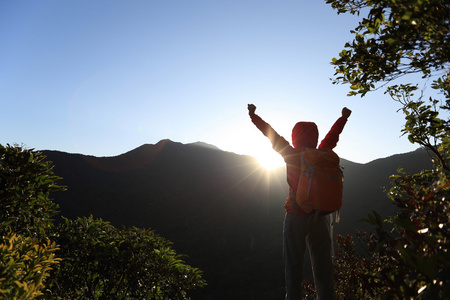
(269, 160)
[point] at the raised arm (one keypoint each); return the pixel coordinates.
(279, 144)
(332, 137)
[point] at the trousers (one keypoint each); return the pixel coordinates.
(311, 230)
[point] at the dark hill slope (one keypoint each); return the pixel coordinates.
(221, 209)
(149, 184)
(366, 185)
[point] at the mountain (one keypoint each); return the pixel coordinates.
(366, 186)
(221, 209)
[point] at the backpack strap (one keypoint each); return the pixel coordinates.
(310, 176)
(311, 168)
(295, 207)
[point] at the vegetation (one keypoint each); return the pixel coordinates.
(103, 262)
(406, 256)
(94, 259)
(24, 266)
(26, 211)
(26, 182)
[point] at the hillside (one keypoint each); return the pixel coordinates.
(221, 209)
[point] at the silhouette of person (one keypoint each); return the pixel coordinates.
(302, 228)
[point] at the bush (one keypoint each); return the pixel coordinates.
(24, 265)
(102, 262)
(26, 182)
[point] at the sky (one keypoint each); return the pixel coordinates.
(104, 77)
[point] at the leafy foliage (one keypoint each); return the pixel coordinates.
(354, 273)
(102, 262)
(408, 259)
(24, 265)
(407, 256)
(424, 125)
(26, 211)
(396, 38)
(26, 182)
(422, 236)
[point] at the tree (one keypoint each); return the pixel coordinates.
(396, 39)
(399, 38)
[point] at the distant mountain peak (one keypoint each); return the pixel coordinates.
(204, 145)
(164, 141)
(150, 147)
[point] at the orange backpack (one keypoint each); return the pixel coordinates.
(320, 184)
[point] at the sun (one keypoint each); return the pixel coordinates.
(269, 159)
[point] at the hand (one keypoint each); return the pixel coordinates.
(346, 112)
(251, 109)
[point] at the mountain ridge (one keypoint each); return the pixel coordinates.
(211, 146)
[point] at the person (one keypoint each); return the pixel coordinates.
(303, 228)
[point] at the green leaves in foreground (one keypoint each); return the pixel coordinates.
(102, 262)
(411, 259)
(26, 182)
(24, 265)
(395, 38)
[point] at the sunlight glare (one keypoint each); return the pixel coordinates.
(269, 159)
(248, 140)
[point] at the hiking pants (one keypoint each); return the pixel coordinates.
(300, 230)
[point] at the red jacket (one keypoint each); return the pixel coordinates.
(304, 134)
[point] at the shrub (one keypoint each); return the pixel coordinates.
(103, 262)
(24, 266)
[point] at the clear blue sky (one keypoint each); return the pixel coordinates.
(104, 77)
